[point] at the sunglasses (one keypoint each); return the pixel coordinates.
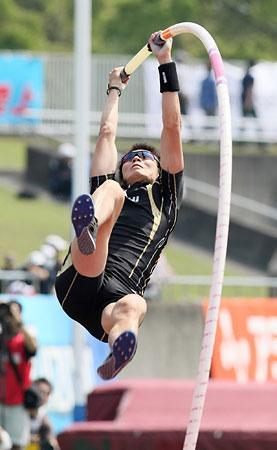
(142, 154)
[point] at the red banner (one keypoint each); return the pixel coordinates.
(246, 340)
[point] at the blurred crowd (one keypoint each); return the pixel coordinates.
(38, 271)
(207, 96)
(24, 422)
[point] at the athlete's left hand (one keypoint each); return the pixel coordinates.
(162, 52)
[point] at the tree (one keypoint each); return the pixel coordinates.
(241, 28)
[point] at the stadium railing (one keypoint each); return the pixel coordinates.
(56, 118)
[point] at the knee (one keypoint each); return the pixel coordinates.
(107, 131)
(131, 306)
(114, 189)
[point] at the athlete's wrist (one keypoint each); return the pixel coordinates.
(168, 77)
(113, 87)
(164, 60)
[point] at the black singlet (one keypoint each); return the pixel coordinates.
(142, 229)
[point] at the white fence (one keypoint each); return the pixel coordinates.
(198, 286)
(56, 118)
(60, 123)
(178, 285)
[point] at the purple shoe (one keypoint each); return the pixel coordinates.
(123, 350)
(84, 223)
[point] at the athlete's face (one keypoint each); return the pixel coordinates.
(139, 165)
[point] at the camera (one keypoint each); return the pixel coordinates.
(4, 309)
(5, 312)
(32, 398)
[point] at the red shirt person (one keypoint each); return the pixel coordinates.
(17, 348)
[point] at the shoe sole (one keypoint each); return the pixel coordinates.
(82, 216)
(123, 351)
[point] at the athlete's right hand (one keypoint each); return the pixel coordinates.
(115, 78)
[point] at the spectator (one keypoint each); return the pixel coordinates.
(52, 264)
(41, 429)
(36, 265)
(17, 347)
(247, 101)
(58, 243)
(208, 96)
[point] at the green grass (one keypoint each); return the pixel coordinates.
(184, 262)
(188, 262)
(24, 224)
(12, 153)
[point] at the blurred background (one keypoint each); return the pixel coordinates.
(37, 152)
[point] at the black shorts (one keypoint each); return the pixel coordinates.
(84, 298)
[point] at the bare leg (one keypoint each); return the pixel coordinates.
(124, 315)
(121, 321)
(108, 201)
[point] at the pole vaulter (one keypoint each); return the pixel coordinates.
(223, 213)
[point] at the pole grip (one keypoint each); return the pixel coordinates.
(158, 40)
(133, 64)
(123, 75)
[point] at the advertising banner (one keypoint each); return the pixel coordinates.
(246, 341)
(21, 87)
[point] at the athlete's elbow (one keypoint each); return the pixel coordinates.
(172, 129)
(107, 130)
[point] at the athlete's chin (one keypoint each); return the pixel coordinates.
(139, 179)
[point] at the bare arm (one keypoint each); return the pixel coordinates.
(16, 320)
(104, 159)
(171, 151)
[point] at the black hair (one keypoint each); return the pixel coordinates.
(251, 63)
(137, 146)
(43, 380)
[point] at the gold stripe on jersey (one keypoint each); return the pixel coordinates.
(172, 203)
(66, 264)
(69, 289)
(157, 214)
